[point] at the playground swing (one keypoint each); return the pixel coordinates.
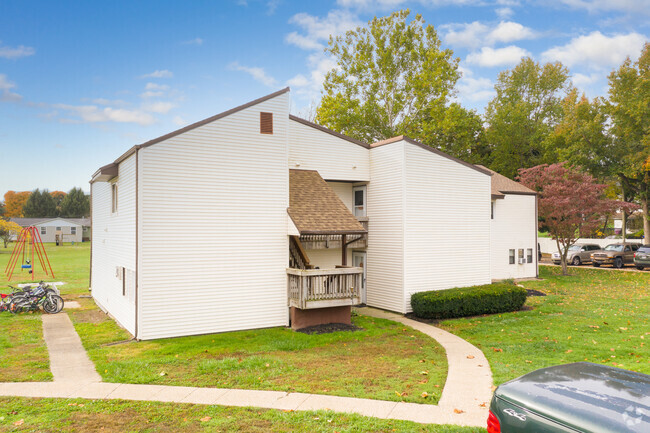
(29, 245)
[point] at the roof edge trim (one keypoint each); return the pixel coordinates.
(328, 131)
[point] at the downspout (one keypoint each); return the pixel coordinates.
(137, 225)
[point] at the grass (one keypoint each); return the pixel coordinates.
(58, 415)
(385, 360)
(592, 315)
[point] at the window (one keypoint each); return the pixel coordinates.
(73, 230)
(521, 255)
(529, 255)
(492, 210)
(114, 198)
(266, 123)
(43, 230)
(359, 201)
(512, 256)
(123, 281)
(58, 229)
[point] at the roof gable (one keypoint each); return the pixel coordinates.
(502, 185)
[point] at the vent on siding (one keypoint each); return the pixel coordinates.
(266, 123)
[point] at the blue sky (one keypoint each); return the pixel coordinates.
(81, 82)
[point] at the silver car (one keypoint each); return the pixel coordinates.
(578, 254)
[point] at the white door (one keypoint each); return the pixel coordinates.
(359, 261)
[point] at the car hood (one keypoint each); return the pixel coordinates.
(584, 396)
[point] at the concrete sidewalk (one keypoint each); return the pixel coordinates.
(68, 359)
(465, 397)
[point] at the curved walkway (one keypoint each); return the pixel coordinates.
(465, 397)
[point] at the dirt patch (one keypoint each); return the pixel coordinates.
(90, 316)
(533, 292)
(329, 328)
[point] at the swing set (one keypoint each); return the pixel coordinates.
(29, 246)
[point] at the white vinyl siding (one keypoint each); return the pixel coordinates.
(327, 258)
(214, 227)
(344, 191)
(385, 261)
(65, 229)
(113, 245)
(334, 158)
(447, 224)
(514, 227)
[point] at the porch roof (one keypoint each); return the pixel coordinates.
(316, 209)
(502, 185)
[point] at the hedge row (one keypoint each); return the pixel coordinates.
(468, 301)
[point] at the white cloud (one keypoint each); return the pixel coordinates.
(504, 13)
(298, 81)
(17, 52)
(104, 101)
(271, 6)
(155, 86)
(6, 93)
(317, 31)
(158, 107)
(627, 6)
(151, 94)
(258, 74)
(392, 4)
(178, 120)
(164, 73)
(195, 41)
(581, 80)
(490, 57)
(473, 89)
(95, 114)
(476, 34)
(597, 50)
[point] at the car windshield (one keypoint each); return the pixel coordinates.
(618, 248)
(574, 248)
(644, 249)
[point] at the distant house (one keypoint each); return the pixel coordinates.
(513, 231)
(67, 229)
(290, 222)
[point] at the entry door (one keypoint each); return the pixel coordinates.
(359, 261)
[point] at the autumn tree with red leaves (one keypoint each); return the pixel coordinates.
(570, 202)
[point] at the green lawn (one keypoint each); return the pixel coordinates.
(592, 315)
(386, 360)
(116, 416)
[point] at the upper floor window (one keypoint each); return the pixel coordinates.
(359, 200)
(43, 230)
(114, 198)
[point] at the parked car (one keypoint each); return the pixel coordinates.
(577, 254)
(581, 397)
(642, 257)
(617, 255)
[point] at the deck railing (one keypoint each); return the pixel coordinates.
(321, 288)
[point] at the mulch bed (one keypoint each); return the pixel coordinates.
(532, 292)
(329, 328)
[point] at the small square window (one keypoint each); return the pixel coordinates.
(43, 230)
(58, 229)
(529, 255)
(73, 230)
(512, 256)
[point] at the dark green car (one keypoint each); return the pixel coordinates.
(642, 257)
(581, 397)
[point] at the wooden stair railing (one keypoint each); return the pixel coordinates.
(298, 258)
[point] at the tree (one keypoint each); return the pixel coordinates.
(58, 197)
(392, 78)
(14, 202)
(523, 113)
(629, 108)
(570, 202)
(2, 210)
(39, 205)
(8, 231)
(460, 134)
(75, 204)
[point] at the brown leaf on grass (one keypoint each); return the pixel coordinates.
(205, 419)
(424, 394)
(497, 350)
(19, 422)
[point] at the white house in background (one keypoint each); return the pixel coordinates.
(279, 208)
(513, 229)
(67, 229)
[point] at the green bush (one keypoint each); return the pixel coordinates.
(468, 301)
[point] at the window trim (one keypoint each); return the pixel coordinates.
(511, 256)
(114, 198)
(73, 230)
(43, 230)
(364, 206)
(529, 255)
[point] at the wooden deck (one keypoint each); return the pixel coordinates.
(323, 288)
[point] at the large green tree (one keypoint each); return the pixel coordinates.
(524, 112)
(75, 204)
(392, 78)
(629, 108)
(39, 205)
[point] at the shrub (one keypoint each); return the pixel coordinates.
(468, 301)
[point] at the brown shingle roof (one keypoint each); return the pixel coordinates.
(502, 185)
(316, 209)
